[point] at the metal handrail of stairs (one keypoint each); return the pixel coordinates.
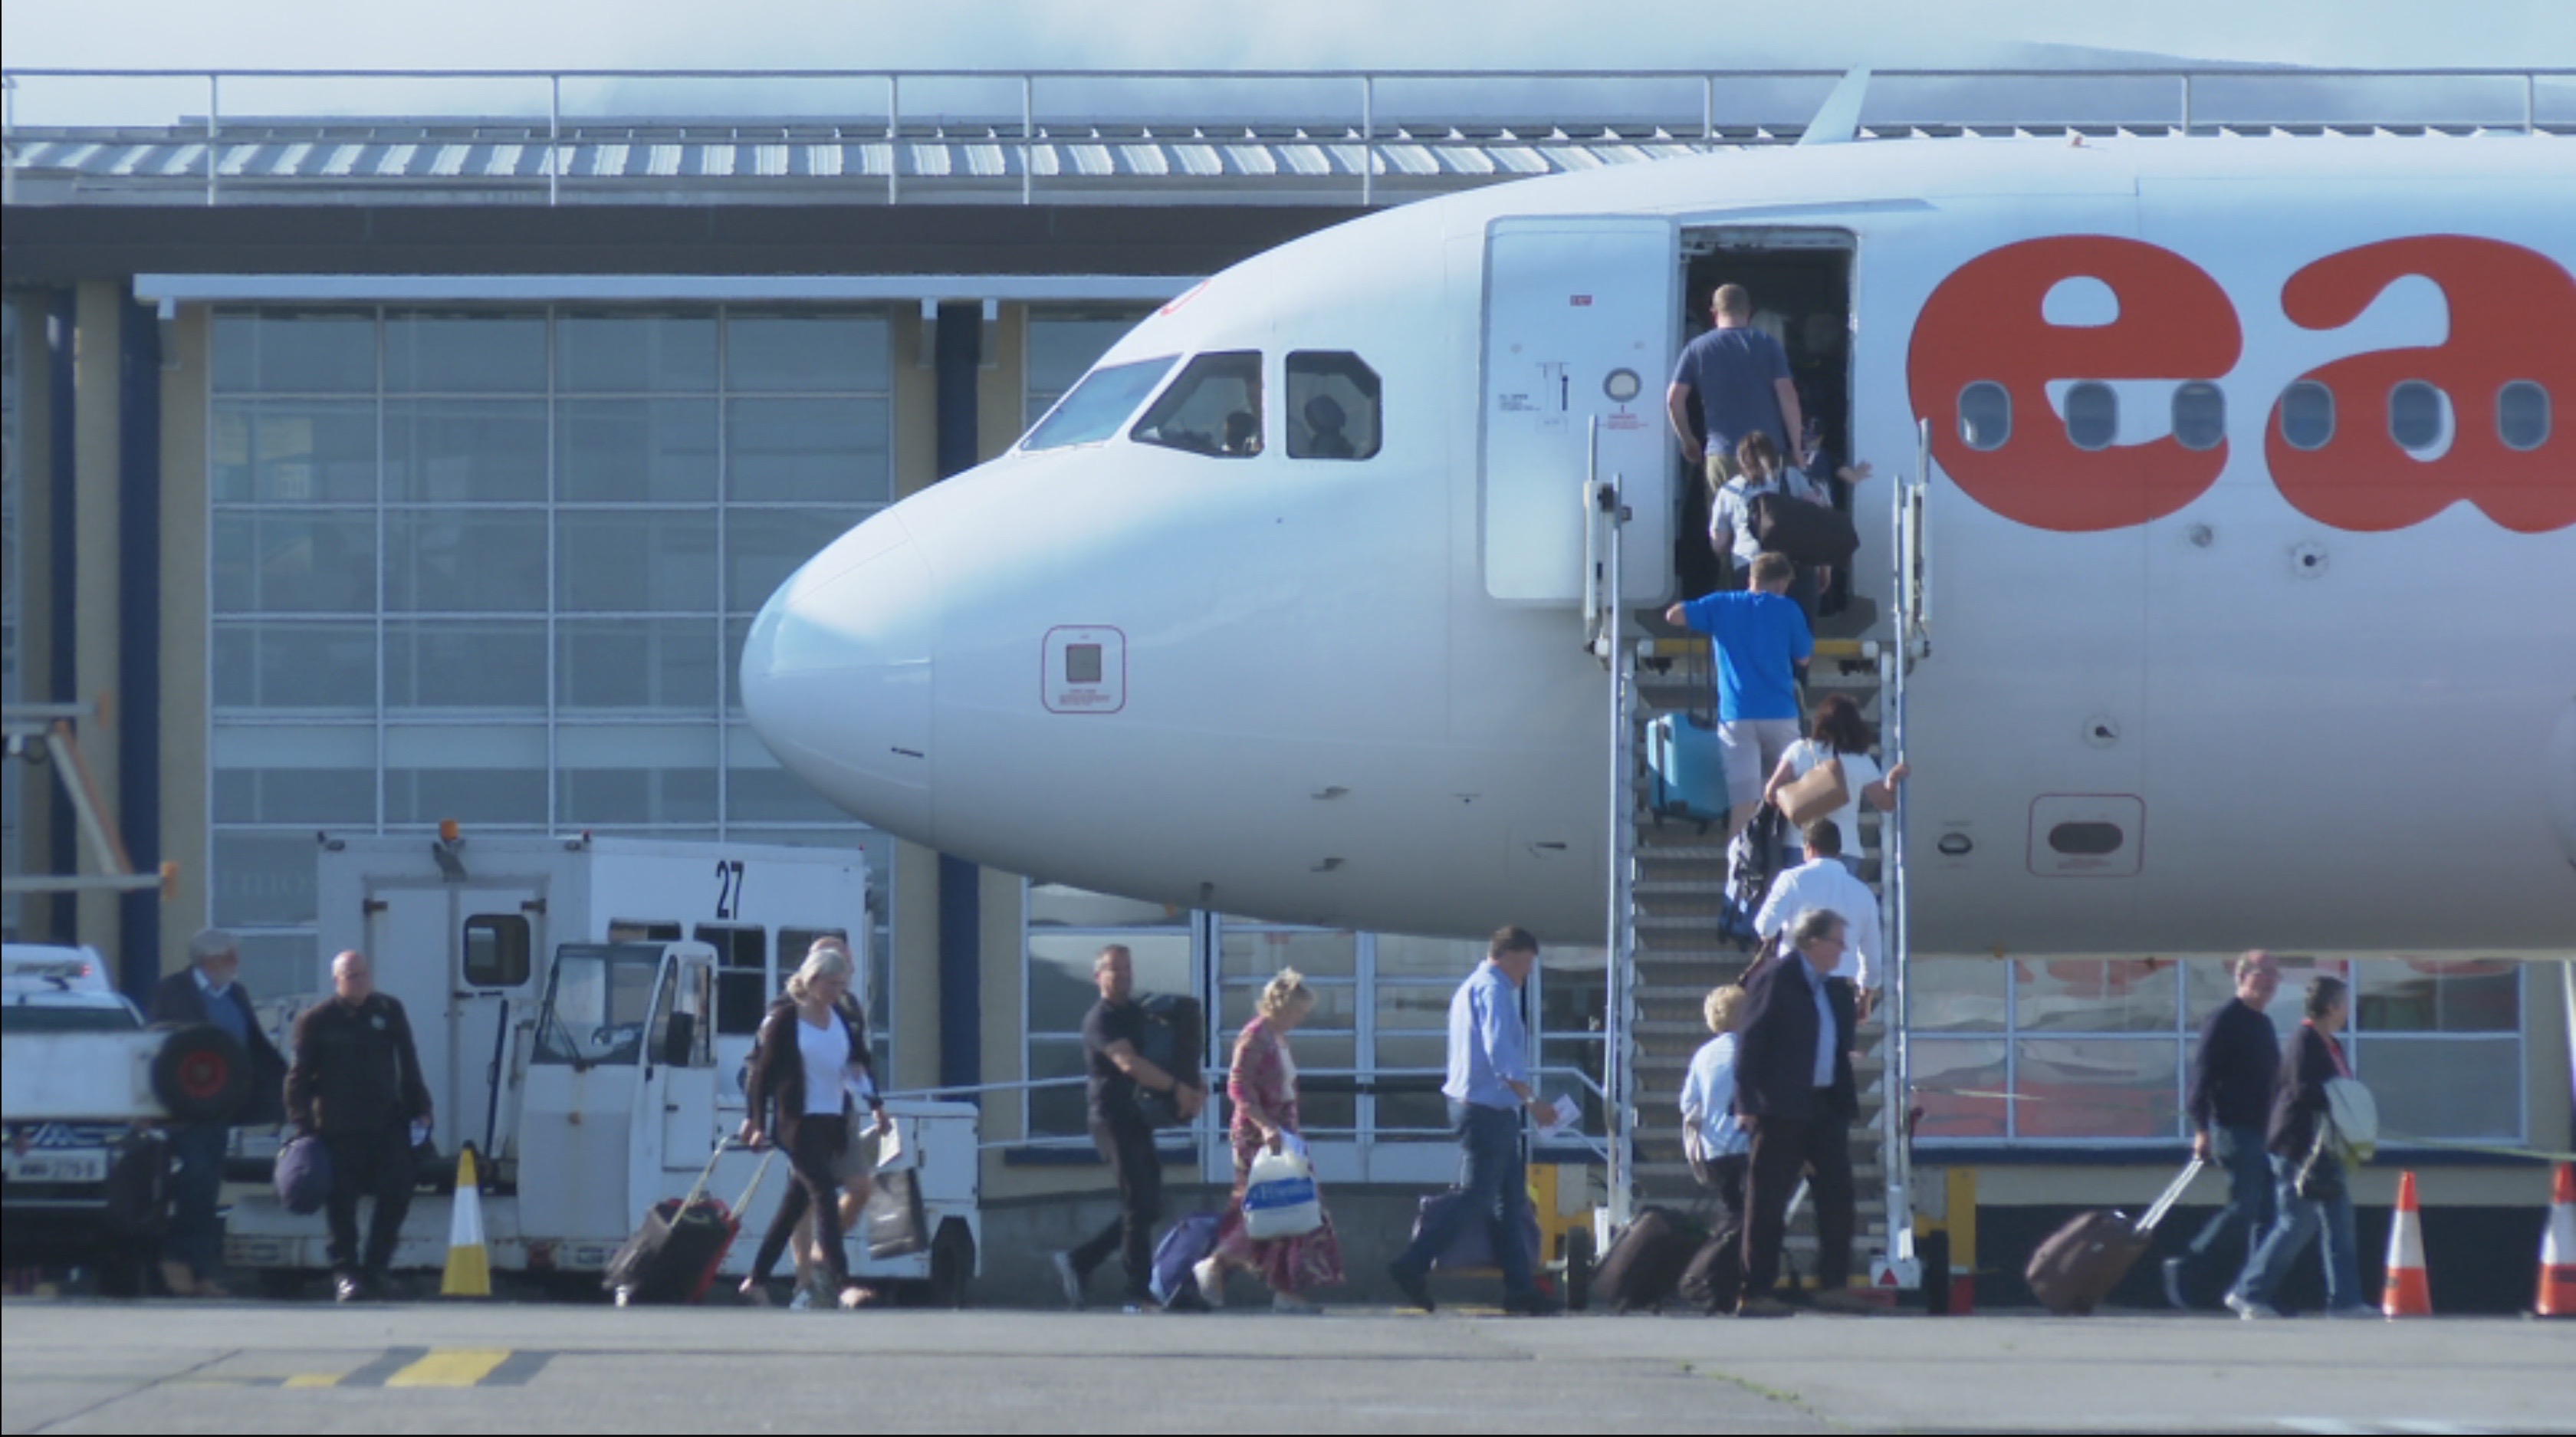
(1605, 518)
(1911, 592)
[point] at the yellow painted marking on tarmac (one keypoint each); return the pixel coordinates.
(451, 1367)
(314, 1379)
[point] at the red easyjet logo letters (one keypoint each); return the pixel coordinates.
(2512, 326)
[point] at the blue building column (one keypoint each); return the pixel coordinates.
(138, 640)
(62, 598)
(958, 334)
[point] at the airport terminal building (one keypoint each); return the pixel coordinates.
(365, 472)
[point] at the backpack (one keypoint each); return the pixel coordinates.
(1173, 1039)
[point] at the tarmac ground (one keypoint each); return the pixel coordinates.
(167, 1366)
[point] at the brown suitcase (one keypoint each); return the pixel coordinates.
(2076, 1266)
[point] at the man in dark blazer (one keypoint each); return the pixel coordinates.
(1794, 1091)
(206, 991)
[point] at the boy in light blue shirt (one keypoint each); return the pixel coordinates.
(1763, 644)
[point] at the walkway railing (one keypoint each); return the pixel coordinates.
(1024, 111)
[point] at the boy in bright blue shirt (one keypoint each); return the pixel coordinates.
(1763, 645)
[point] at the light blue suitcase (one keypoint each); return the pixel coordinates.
(1689, 768)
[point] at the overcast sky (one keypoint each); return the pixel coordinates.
(1009, 34)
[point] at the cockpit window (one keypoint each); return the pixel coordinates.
(1213, 408)
(1333, 406)
(1095, 408)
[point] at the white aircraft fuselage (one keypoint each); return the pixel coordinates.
(2325, 695)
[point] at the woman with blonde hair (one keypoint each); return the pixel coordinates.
(1261, 1085)
(810, 1060)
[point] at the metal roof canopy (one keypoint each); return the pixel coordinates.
(649, 288)
(1184, 136)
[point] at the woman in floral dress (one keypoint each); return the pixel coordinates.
(1262, 1088)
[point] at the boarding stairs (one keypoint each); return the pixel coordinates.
(1669, 888)
(1677, 894)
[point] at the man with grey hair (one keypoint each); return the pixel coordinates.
(2232, 1076)
(1795, 1095)
(207, 992)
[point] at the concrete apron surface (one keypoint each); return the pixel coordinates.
(186, 1367)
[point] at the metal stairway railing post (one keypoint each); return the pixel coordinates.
(1896, 662)
(1605, 518)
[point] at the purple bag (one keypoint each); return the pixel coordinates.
(303, 1175)
(1473, 1248)
(1189, 1242)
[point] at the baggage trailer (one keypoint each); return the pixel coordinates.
(584, 1009)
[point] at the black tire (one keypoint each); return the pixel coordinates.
(1578, 1268)
(952, 1265)
(201, 1075)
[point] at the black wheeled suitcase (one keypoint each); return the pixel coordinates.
(1644, 1266)
(2075, 1267)
(673, 1255)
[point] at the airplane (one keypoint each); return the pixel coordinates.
(2249, 544)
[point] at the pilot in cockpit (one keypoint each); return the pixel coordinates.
(1242, 433)
(1325, 420)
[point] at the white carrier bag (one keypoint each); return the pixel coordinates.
(1279, 1197)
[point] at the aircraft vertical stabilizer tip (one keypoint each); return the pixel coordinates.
(1837, 120)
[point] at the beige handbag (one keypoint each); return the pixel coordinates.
(1820, 792)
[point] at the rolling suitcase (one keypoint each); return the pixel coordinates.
(1689, 768)
(1472, 1250)
(2076, 1266)
(1644, 1265)
(673, 1256)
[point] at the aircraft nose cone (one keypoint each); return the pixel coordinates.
(836, 675)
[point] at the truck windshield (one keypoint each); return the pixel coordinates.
(597, 1004)
(1093, 409)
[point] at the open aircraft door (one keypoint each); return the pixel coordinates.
(1579, 330)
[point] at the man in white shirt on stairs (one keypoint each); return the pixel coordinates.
(1823, 882)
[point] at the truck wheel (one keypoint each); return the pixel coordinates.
(201, 1075)
(952, 1265)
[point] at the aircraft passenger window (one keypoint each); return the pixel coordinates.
(2307, 415)
(2415, 415)
(496, 950)
(2199, 415)
(1093, 409)
(1985, 415)
(1333, 406)
(2522, 415)
(2092, 415)
(1213, 408)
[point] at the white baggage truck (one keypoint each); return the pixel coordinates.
(584, 1008)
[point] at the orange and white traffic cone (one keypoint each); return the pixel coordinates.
(2558, 1249)
(2406, 1294)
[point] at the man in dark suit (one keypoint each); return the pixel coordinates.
(356, 1081)
(206, 992)
(1794, 1091)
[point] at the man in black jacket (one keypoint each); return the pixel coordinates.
(1794, 1090)
(356, 1081)
(206, 992)
(2232, 1074)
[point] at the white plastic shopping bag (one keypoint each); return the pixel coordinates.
(1279, 1197)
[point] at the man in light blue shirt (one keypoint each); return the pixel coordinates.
(1487, 1088)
